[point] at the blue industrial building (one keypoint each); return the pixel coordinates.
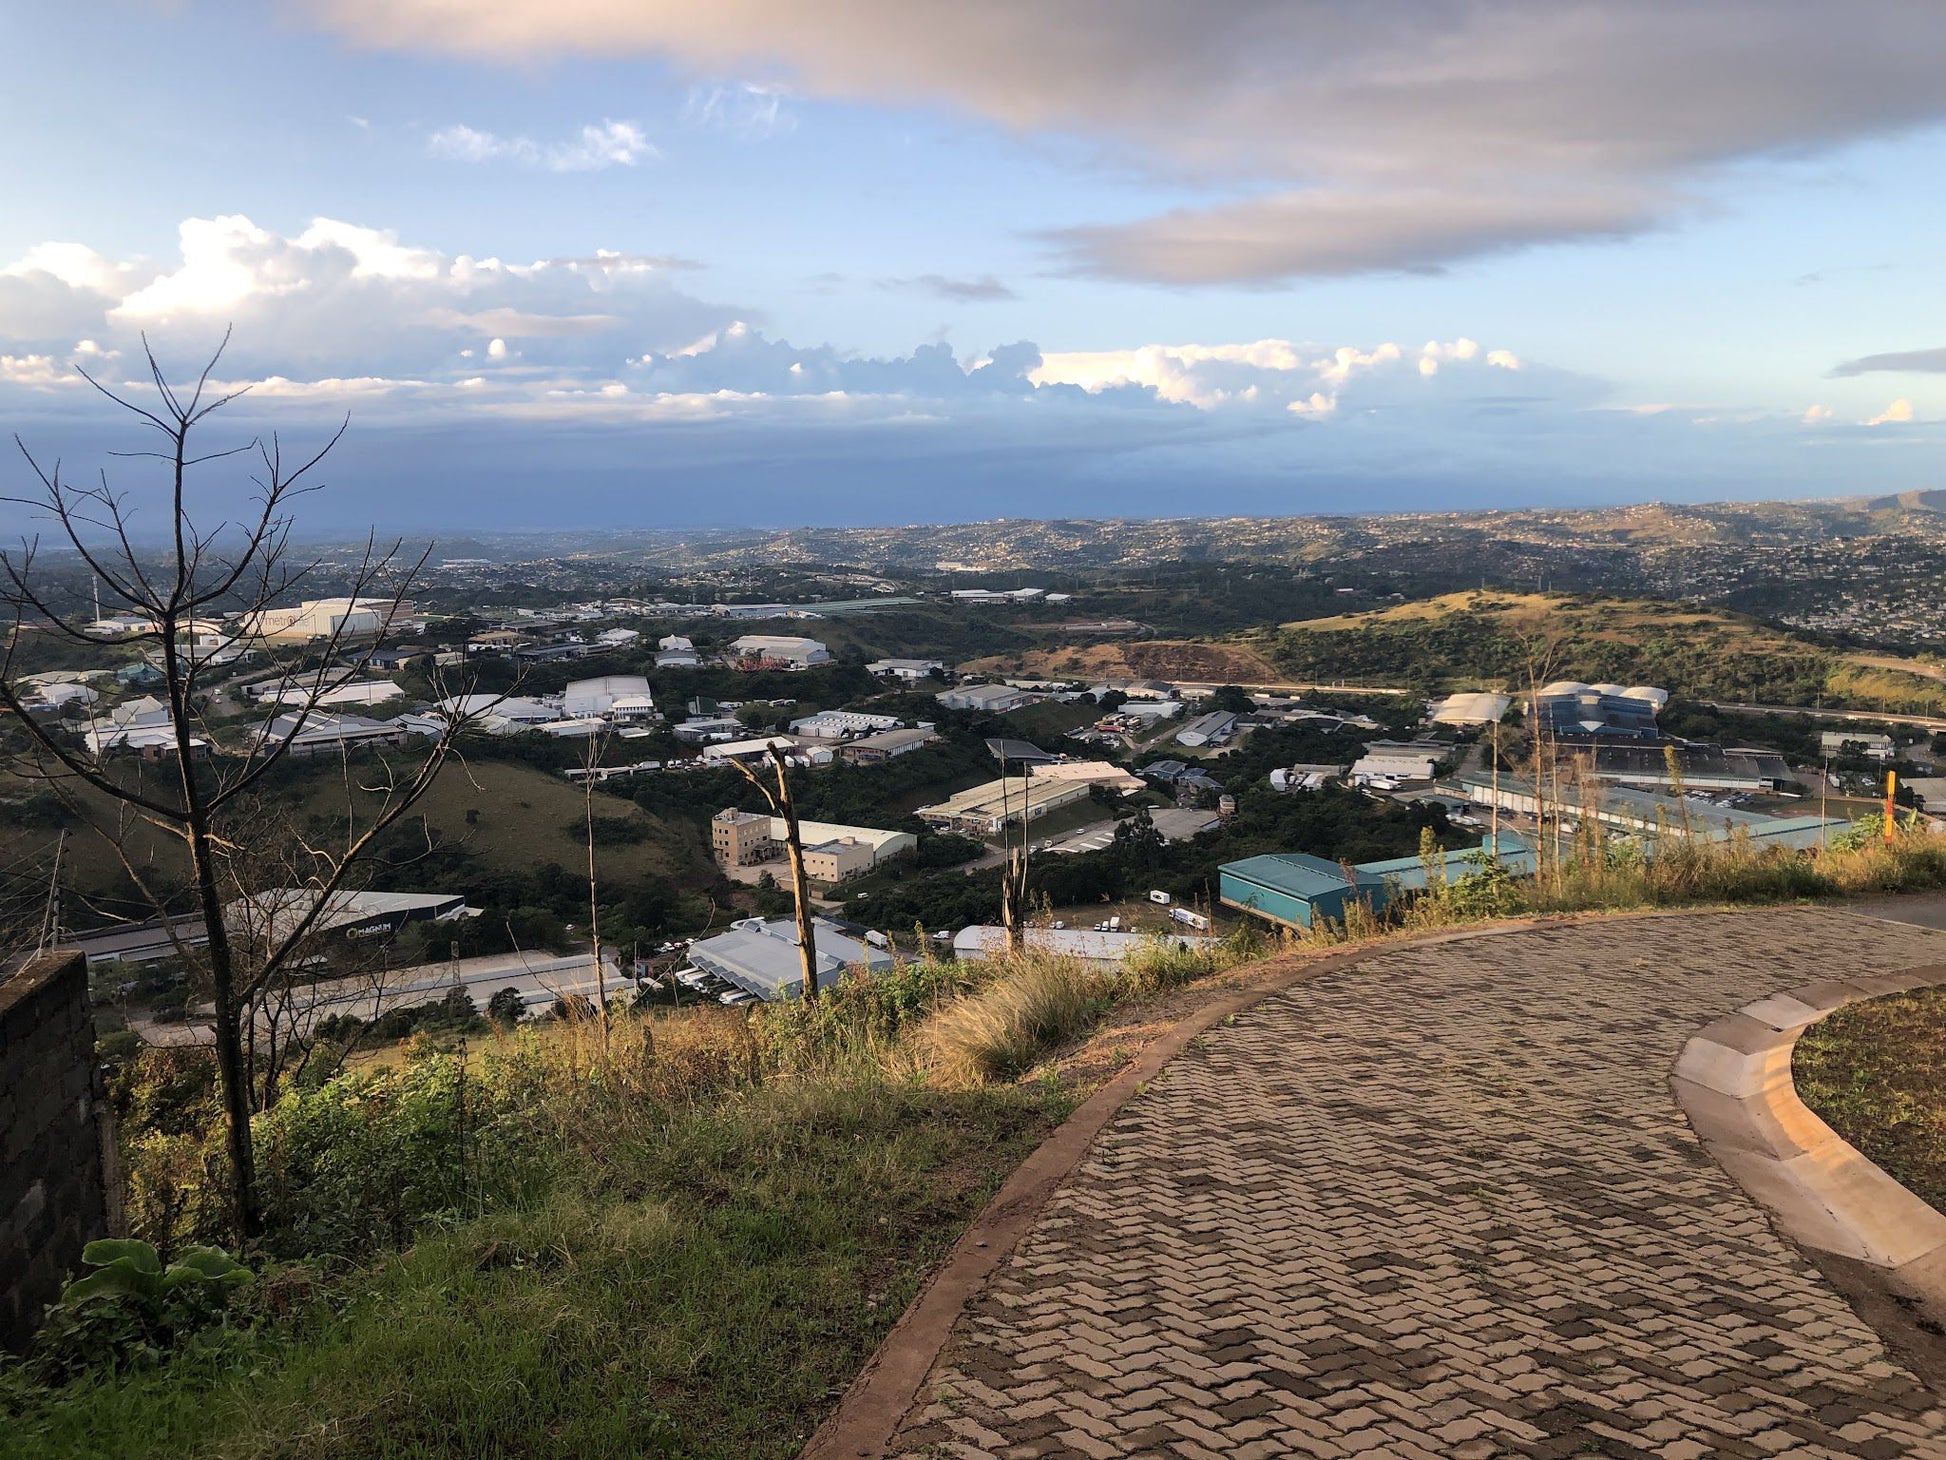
(1295, 888)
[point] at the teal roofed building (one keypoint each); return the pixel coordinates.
(1296, 889)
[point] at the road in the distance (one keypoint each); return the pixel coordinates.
(540, 978)
(1924, 722)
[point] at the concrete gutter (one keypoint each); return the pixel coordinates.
(1733, 1081)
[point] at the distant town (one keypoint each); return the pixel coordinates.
(1170, 757)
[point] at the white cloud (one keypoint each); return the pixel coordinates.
(594, 147)
(743, 109)
(1817, 415)
(342, 300)
(1366, 141)
(1303, 378)
(35, 370)
(1899, 413)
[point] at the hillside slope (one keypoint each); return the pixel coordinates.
(1198, 663)
(1499, 639)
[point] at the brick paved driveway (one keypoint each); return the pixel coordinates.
(1440, 1204)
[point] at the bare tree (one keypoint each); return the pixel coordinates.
(208, 597)
(779, 800)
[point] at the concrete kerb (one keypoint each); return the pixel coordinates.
(1733, 1082)
(868, 1417)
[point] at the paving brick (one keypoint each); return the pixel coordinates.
(1442, 1203)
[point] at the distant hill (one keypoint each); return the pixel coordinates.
(1910, 502)
(1195, 663)
(1467, 640)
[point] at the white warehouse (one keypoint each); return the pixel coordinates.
(616, 696)
(781, 649)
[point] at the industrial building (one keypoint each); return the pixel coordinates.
(906, 669)
(1471, 708)
(838, 860)
(276, 914)
(842, 724)
(1569, 707)
(1092, 772)
(1216, 728)
(1107, 949)
(1644, 813)
(762, 958)
(612, 696)
(1856, 742)
(322, 734)
(1700, 767)
(779, 651)
(832, 852)
(984, 809)
(760, 749)
(320, 618)
(1296, 889)
(879, 844)
(870, 748)
(986, 699)
(500, 714)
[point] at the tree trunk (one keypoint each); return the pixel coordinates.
(807, 938)
(230, 1062)
(1013, 878)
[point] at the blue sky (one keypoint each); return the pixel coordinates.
(609, 261)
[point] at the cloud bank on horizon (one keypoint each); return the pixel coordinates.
(1259, 147)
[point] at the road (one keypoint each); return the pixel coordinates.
(539, 978)
(1923, 722)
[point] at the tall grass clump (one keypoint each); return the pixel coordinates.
(1032, 1003)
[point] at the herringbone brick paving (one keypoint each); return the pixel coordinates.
(1440, 1204)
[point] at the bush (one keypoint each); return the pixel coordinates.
(361, 1162)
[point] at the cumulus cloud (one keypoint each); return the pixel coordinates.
(1899, 413)
(339, 299)
(609, 144)
(1305, 379)
(1925, 362)
(1362, 139)
(339, 309)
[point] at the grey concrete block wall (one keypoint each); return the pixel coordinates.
(53, 1189)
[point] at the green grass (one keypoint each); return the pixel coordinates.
(736, 1265)
(1876, 1073)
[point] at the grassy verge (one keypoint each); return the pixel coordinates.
(722, 1276)
(1876, 1073)
(682, 1235)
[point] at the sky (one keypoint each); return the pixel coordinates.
(585, 263)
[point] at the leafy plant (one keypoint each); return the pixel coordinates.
(133, 1310)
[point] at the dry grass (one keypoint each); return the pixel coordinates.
(998, 1032)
